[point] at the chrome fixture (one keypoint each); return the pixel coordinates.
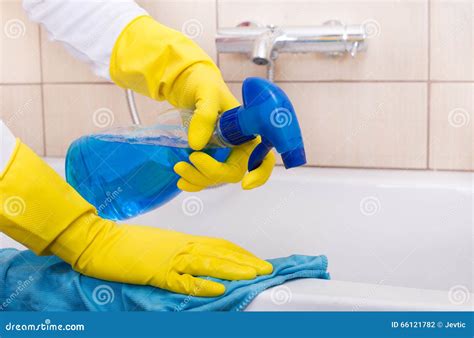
(132, 107)
(264, 44)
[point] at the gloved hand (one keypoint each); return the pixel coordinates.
(40, 210)
(206, 171)
(164, 64)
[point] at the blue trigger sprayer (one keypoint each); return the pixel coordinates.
(128, 171)
(267, 112)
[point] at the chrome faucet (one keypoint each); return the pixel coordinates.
(263, 44)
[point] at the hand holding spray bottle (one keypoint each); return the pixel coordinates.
(125, 172)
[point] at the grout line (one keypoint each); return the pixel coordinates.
(428, 91)
(453, 81)
(217, 27)
(380, 168)
(340, 81)
(354, 167)
(240, 81)
(43, 111)
(428, 124)
(361, 81)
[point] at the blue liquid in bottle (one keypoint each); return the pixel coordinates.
(127, 176)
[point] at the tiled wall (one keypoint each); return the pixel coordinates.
(408, 102)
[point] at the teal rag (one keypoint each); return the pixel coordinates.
(33, 283)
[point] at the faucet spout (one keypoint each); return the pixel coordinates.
(264, 45)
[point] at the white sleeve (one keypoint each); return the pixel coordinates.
(7, 145)
(88, 29)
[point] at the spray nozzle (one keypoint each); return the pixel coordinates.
(267, 112)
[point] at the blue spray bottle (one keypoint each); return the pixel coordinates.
(125, 172)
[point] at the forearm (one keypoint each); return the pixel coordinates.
(36, 204)
(87, 29)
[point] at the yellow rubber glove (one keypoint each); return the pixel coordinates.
(205, 171)
(40, 210)
(164, 64)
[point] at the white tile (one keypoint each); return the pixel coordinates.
(452, 126)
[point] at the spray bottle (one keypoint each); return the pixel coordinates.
(128, 171)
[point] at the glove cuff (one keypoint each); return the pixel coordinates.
(149, 57)
(77, 245)
(36, 204)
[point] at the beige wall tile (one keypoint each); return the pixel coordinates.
(452, 40)
(74, 110)
(21, 110)
(397, 47)
(60, 66)
(381, 125)
(452, 126)
(19, 45)
(196, 19)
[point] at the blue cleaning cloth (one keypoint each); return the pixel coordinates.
(33, 283)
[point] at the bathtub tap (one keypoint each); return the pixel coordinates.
(264, 43)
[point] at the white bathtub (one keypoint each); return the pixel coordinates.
(396, 240)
